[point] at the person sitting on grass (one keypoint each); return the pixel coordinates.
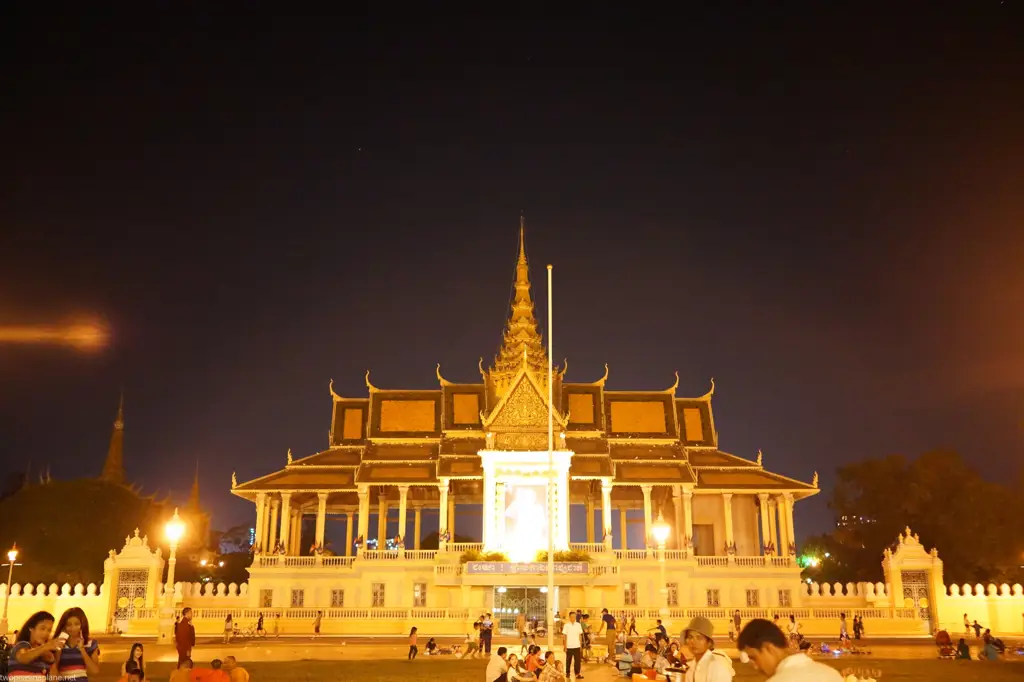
(431, 647)
(183, 672)
(764, 645)
(236, 672)
(962, 650)
(552, 670)
(497, 668)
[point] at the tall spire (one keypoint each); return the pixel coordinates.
(521, 340)
(193, 496)
(113, 467)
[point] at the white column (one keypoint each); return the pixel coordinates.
(590, 518)
(606, 514)
(296, 534)
(442, 506)
(727, 508)
(261, 520)
(677, 512)
(364, 512)
(382, 520)
(451, 516)
(272, 540)
(349, 517)
(499, 515)
(562, 504)
(688, 514)
(417, 527)
(646, 490)
(762, 499)
(624, 528)
(487, 502)
(403, 509)
(787, 502)
(321, 518)
(773, 525)
(286, 519)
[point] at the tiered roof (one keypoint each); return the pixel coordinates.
(393, 437)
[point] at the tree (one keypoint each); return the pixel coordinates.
(969, 520)
(64, 529)
(235, 540)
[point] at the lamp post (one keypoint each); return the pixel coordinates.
(660, 530)
(174, 530)
(12, 555)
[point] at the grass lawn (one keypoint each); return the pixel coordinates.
(391, 670)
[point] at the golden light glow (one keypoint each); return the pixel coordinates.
(174, 529)
(12, 555)
(87, 336)
(660, 530)
(526, 525)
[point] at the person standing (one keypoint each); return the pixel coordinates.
(229, 627)
(764, 645)
(608, 626)
(316, 624)
(80, 656)
(185, 635)
(486, 629)
(413, 649)
(967, 626)
(572, 641)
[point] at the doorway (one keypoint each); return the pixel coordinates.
(512, 602)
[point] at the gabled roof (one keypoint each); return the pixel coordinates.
(751, 479)
(396, 472)
(392, 452)
(524, 407)
(460, 467)
(584, 467)
(343, 456)
(655, 473)
(716, 458)
(641, 452)
(299, 478)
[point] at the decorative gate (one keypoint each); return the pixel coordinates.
(132, 585)
(529, 601)
(916, 594)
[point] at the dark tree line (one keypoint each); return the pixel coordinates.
(974, 523)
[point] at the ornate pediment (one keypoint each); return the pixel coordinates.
(520, 420)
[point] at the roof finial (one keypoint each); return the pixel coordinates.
(289, 455)
(814, 481)
(521, 335)
(113, 467)
(759, 455)
(234, 480)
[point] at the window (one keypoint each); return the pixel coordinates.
(753, 599)
(629, 594)
(266, 599)
(714, 601)
(378, 594)
(672, 590)
(298, 599)
(337, 599)
(785, 598)
(419, 594)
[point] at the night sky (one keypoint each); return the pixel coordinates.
(822, 212)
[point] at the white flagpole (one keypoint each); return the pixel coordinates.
(551, 478)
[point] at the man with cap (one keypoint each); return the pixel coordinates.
(708, 665)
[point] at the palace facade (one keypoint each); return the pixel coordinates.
(731, 541)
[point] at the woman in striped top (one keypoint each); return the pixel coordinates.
(80, 656)
(32, 655)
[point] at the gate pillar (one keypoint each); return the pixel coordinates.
(132, 580)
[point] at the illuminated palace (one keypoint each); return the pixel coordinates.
(730, 537)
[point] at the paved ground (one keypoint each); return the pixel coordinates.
(384, 660)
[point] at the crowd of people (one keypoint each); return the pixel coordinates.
(47, 648)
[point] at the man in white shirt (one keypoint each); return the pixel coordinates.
(764, 644)
(572, 640)
(496, 666)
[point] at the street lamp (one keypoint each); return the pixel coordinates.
(174, 530)
(12, 556)
(660, 530)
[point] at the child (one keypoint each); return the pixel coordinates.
(413, 650)
(523, 643)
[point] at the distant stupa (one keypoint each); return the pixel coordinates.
(113, 467)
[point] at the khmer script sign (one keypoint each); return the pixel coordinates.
(531, 568)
